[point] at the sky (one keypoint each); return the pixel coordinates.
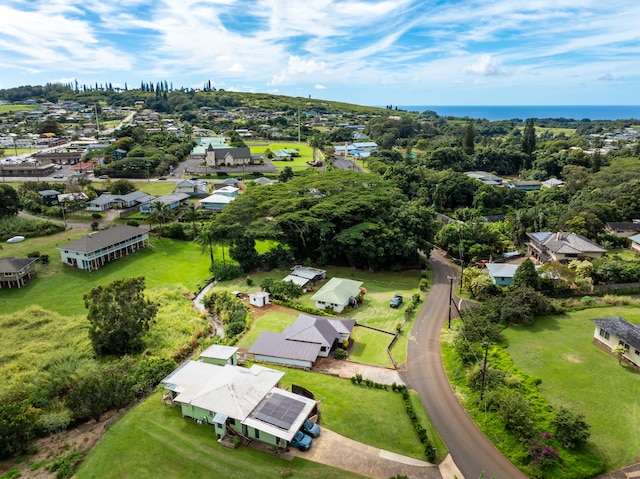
(368, 52)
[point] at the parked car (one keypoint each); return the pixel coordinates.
(396, 301)
(103, 177)
(58, 167)
(162, 178)
(311, 428)
(301, 441)
(57, 177)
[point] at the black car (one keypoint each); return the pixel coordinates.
(396, 301)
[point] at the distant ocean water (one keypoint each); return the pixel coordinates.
(493, 113)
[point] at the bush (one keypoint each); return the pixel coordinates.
(33, 254)
(96, 216)
(44, 258)
(340, 353)
(423, 284)
(133, 223)
(516, 414)
(94, 225)
(571, 429)
(227, 272)
(249, 281)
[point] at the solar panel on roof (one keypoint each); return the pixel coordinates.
(280, 411)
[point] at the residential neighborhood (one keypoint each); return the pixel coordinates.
(291, 269)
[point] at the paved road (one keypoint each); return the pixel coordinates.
(472, 452)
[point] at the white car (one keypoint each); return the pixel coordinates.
(15, 239)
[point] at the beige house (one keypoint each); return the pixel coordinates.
(563, 247)
(15, 272)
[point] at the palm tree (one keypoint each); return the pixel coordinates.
(207, 240)
(160, 213)
(191, 214)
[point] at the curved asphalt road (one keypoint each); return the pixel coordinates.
(470, 449)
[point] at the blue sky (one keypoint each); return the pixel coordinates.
(398, 52)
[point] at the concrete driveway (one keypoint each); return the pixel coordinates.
(338, 451)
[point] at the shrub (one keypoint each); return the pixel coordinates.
(516, 414)
(44, 258)
(94, 225)
(423, 284)
(33, 254)
(340, 353)
(226, 272)
(571, 429)
(249, 281)
(133, 223)
(96, 216)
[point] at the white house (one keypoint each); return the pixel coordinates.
(337, 294)
(611, 332)
(100, 247)
(259, 298)
(246, 401)
(561, 246)
(215, 202)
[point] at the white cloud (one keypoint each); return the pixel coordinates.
(236, 67)
(486, 65)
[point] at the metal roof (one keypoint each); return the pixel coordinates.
(276, 345)
(219, 351)
(338, 291)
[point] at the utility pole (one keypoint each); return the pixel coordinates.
(484, 368)
(450, 278)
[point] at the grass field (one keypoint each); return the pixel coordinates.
(153, 440)
(59, 287)
(297, 164)
(374, 311)
(578, 375)
(14, 108)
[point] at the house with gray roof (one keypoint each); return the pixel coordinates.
(622, 229)
(337, 294)
(227, 156)
(106, 201)
(304, 277)
(15, 272)
(561, 246)
(303, 342)
(614, 331)
(247, 402)
(101, 247)
(172, 200)
(487, 178)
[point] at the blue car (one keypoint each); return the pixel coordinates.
(311, 428)
(301, 441)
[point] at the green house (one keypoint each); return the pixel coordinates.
(220, 355)
(238, 401)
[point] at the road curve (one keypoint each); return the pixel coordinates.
(470, 449)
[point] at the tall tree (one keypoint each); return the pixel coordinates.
(529, 137)
(526, 275)
(207, 240)
(469, 142)
(9, 201)
(119, 316)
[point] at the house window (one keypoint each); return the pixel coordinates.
(622, 343)
(256, 434)
(232, 422)
(604, 333)
(637, 353)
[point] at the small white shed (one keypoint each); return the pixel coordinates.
(259, 298)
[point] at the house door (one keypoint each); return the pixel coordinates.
(245, 430)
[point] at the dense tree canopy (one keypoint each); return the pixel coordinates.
(338, 217)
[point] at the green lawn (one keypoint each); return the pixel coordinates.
(154, 440)
(297, 164)
(374, 311)
(274, 322)
(59, 287)
(578, 375)
(14, 108)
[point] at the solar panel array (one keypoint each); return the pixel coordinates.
(280, 411)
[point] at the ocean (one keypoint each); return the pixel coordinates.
(503, 112)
